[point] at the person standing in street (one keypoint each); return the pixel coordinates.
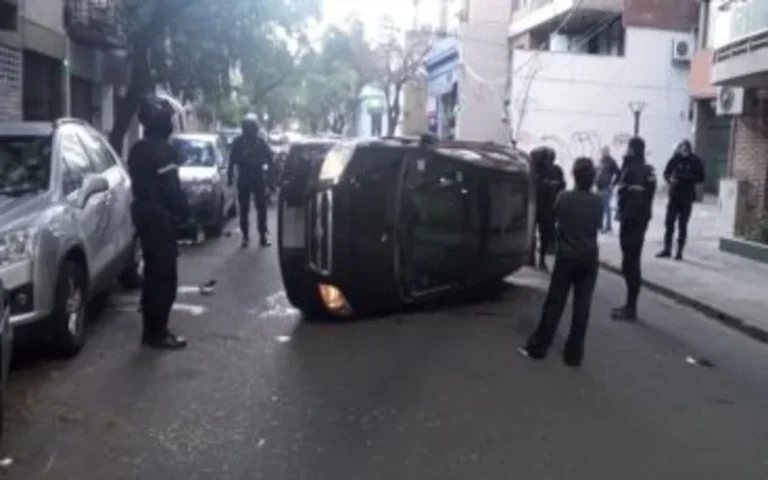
(683, 173)
(550, 181)
(158, 204)
(608, 174)
(253, 158)
(636, 190)
(578, 214)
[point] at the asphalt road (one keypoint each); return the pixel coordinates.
(429, 395)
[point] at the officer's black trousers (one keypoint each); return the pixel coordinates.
(631, 239)
(581, 275)
(678, 211)
(258, 195)
(158, 290)
(545, 221)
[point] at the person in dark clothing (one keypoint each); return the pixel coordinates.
(578, 214)
(608, 174)
(158, 203)
(550, 181)
(683, 173)
(637, 187)
(253, 158)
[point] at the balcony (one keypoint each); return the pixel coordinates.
(96, 23)
(741, 45)
(543, 14)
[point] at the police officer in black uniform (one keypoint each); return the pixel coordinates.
(683, 173)
(253, 158)
(550, 181)
(158, 204)
(637, 187)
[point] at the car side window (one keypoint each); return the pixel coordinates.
(76, 163)
(100, 156)
(438, 187)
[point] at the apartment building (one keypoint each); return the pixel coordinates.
(467, 71)
(711, 122)
(740, 70)
(53, 59)
(582, 71)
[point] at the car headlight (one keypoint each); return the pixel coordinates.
(16, 245)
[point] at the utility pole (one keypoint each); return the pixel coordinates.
(637, 111)
(443, 21)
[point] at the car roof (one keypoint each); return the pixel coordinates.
(201, 137)
(26, 129)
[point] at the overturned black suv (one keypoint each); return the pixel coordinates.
(373, 225)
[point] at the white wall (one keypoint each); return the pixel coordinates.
(483, 71)
(578, 103)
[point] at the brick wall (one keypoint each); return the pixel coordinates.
(10, 84)
(749, 160)
(677, 15)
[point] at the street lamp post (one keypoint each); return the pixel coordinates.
(637, 111)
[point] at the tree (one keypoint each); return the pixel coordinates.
(191, 46)
(399, 65)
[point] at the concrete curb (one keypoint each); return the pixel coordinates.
(729, 320)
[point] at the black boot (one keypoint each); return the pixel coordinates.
(165, 341)
(679, 254)
(264, 240)
(666, 253)
(625, 313)
(246, 241)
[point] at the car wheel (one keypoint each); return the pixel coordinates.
(215, 230)
(68, 320)
(134, 269)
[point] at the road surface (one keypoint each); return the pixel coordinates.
(427, 395)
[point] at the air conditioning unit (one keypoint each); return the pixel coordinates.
(682, 50)
(729, 101)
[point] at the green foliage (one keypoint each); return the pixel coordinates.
(191, 47)
(758, 230)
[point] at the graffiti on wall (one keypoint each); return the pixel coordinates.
(581, 143)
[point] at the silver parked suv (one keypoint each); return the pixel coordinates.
(65, 226)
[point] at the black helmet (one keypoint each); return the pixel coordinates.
(250, 120)
(155, 111)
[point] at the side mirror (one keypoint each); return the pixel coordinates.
(92, 185)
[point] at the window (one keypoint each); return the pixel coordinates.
(75, 161)
(438, 189)
(100, 156)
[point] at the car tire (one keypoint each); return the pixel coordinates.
(215, 230)
(132, 275)
(68, 321)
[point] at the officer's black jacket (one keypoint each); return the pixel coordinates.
(250, 156)
(550, 181)
(636, 190)
(687, 171)
(155, 179)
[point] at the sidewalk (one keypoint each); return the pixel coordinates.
(732, 289)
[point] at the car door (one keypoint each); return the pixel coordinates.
(107, 164)
(91, 220)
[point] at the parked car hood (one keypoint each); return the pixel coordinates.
(197, 174)
(21, 211)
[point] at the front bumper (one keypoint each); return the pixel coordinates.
(204, 209)
(24, 294)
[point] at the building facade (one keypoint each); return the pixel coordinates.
(740, 70)
(443, 83)
(580, 69)
(51, 62)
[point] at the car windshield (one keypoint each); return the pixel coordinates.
(194, 152)
(25, 164)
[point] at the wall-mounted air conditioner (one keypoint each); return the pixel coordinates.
(682, 50)
(729, 101)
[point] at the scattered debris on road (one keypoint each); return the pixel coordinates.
(699, 362)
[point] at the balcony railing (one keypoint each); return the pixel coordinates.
(94, 22)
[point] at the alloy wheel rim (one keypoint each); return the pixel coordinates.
(74, 309)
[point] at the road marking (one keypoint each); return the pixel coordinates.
(195, 310)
